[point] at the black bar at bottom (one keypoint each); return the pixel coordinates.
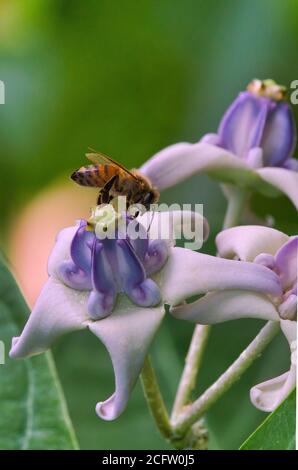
(136, 459)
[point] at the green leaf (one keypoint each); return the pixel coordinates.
(33, 413)
(277, 432)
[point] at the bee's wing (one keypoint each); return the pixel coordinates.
(99, 158)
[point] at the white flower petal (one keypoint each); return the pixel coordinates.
(58, 310)
(61, 250)
(248, 241)
(177, 162)
(268, 395)
(189, 273)
(172, 225)
(211, 138)
(255, 157)
(289, 329)
(285, 180)
(217, 307)
(127, 335)
(286, 263)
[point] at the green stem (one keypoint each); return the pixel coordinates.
(236, 200)
(154, 400)
(64, 410)
(192, 364)
(194, 411)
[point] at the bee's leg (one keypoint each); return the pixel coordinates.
(128, 200)
(130, 203)
(99, 201)
(105, 192)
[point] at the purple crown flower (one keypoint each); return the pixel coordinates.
(252, 149)
(107, 266)
(100, 279)
(261, 246)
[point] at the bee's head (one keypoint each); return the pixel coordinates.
(75, 176)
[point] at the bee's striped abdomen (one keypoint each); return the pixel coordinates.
(90, 175)
(94, 175)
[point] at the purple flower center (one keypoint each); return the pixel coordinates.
(106, 267)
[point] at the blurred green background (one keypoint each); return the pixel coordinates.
(129, 78)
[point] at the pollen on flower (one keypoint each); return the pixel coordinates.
(267, 88)
(104, 220)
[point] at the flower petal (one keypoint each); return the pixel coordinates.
(211, 138)
(81, 247)
(138, 237)
(242, 125)
(58, 310)
(279, 137)
(144, 292)
(288, 308)
(255, 157)
(265, 260)
(289, 329)
(156, 257)
(70, 259)
(285, 180)
(175, 225)
(248, 241)
(178, 162)
(103, 296)
(217, 307)
(189, 273)
(268, 395)
(291, 164)
(61, 250)
(127, 335)
(73, 276)
(286, 262)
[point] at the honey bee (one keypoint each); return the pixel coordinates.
(114, 180)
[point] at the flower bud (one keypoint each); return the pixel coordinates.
(259, 118)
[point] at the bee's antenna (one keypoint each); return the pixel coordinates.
(92, 150)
